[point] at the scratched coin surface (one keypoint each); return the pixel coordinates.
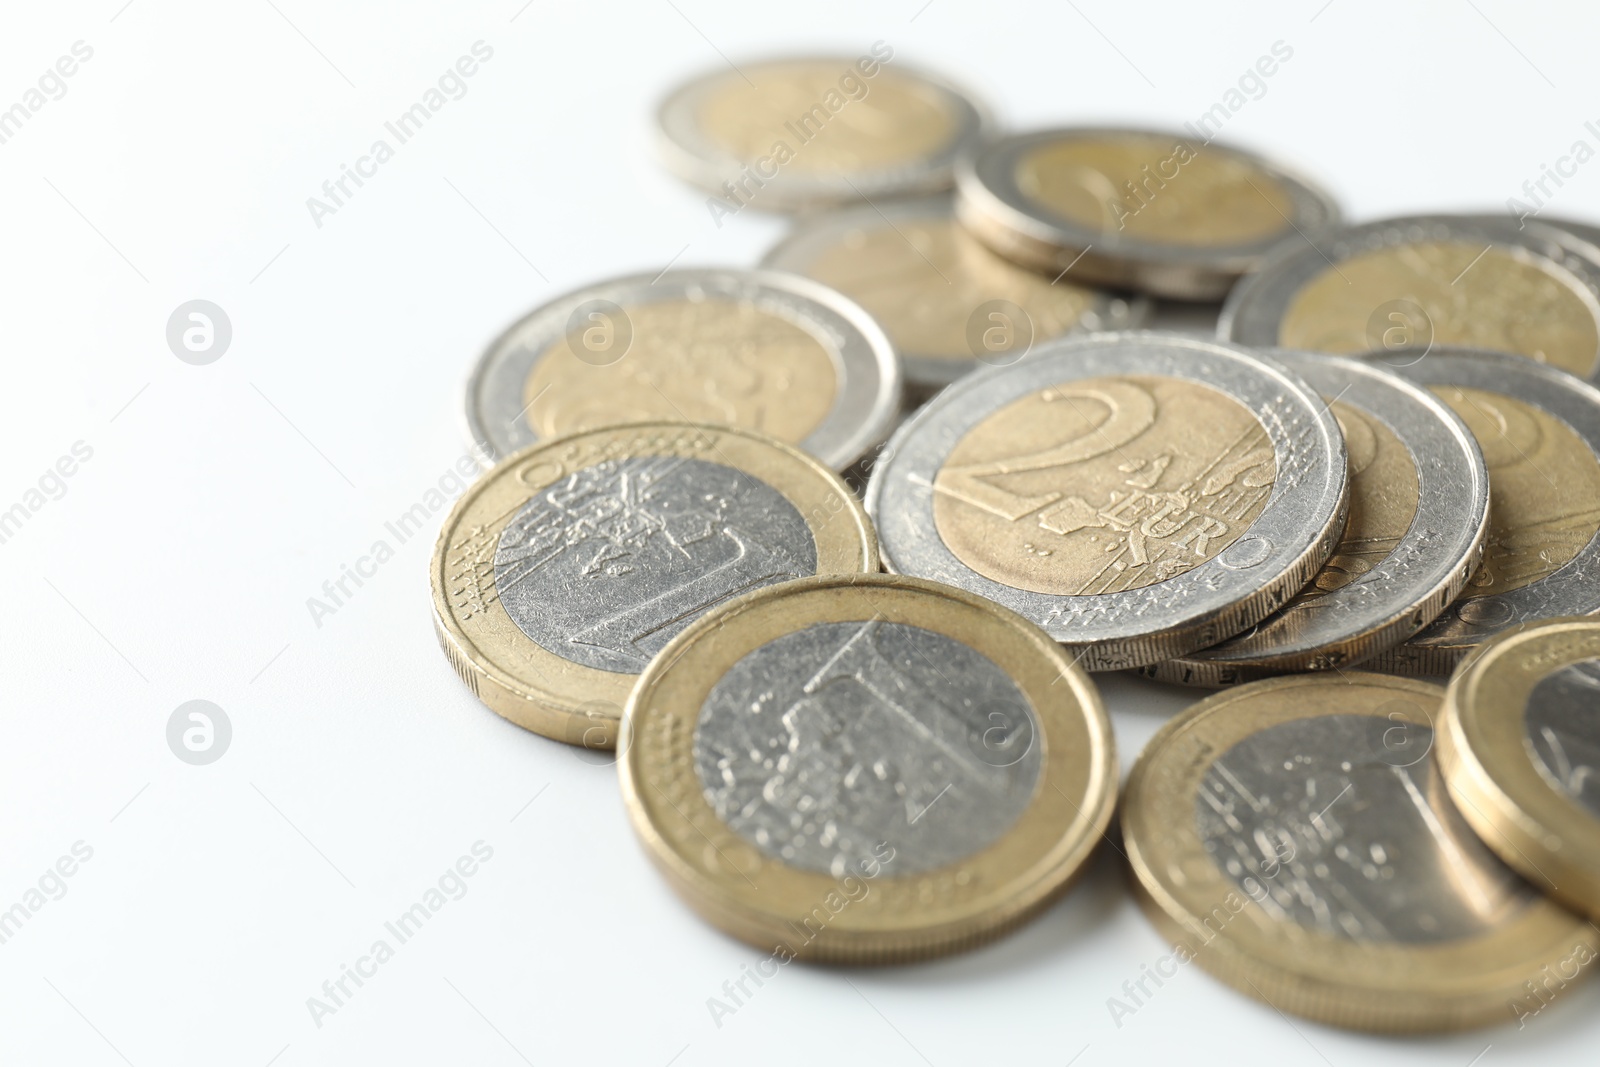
(866, 768)
(1429, 282)
(765, 350)
(1539, 429)
(563, 570)
(948, 303)
(1520, 749)
(1419, 509)
(1294, 836)
(1139, 495)
(1163, 212)
(803, 131)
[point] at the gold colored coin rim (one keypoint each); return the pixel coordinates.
(564, 706)
(1547, 837)
(1365, 985)
(1027, 867)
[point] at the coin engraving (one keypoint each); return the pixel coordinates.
(1562, 731)
(1326, 822)
(1104, 484)
(818, 745)
(1473, 294)
(607, 564)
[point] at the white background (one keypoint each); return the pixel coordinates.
(178, 563)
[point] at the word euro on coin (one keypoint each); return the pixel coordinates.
(1294, 838)
(1429, 282)
(948, 303)
(561, 572)
(1156, 211)
(866, 769)
(800, 132)
(759, 349)
(1138, 495)
(1419, 509)
(1520, 750)
(1539, 429)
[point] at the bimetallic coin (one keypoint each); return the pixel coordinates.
(1419, 508)
(1432, 281)
(948, 303)
(1294, 837)
(866, 769)
(1164, 212)
(759, 349)
(801, 132)
(1539, 429)
(563, 570)
(1520, 751)
(1138, 495)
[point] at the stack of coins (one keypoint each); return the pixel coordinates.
(844, 653)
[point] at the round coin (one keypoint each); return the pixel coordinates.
(1294, 838)
(1158, 211)
(1431, 281)
(563, 570)
(1138, 495)
(948, 303)
(1520, 751)
(1539, 429)
(1419, 508)
(799, 132)
(760, 349)
(866, 769)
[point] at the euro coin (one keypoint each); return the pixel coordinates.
(1539, 429)
(866, 769)
(1520, 751)
(1162, 212)
(1419, 509)
(1137, 495)
(948, 303)
(1429, 282)
(562, 571)
(1294, 838)
(760, 349)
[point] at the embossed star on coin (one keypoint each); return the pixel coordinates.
(803, 131)
(1539, 429)
(761, 349)
(1158, 211)
(1429, 282)
(1294, 837)
(948, 303)
(1139, 495)
(1419, 509)
(1520, 750)
(561, 572)
(866, 769)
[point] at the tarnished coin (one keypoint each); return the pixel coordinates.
(1539, 430)
(760, 349)
(1520, 751)
(1294, 838)
(564, 569)
(803, 131)
(1163, 212)
(866, 769)
(1138, 495)
(1429, 281)
(948, 303)
(1419, 508)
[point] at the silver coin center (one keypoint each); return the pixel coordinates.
(826, 742)
(1562, 723)
(608, 564)
(1340, 823)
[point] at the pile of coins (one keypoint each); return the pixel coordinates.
(863, 729)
